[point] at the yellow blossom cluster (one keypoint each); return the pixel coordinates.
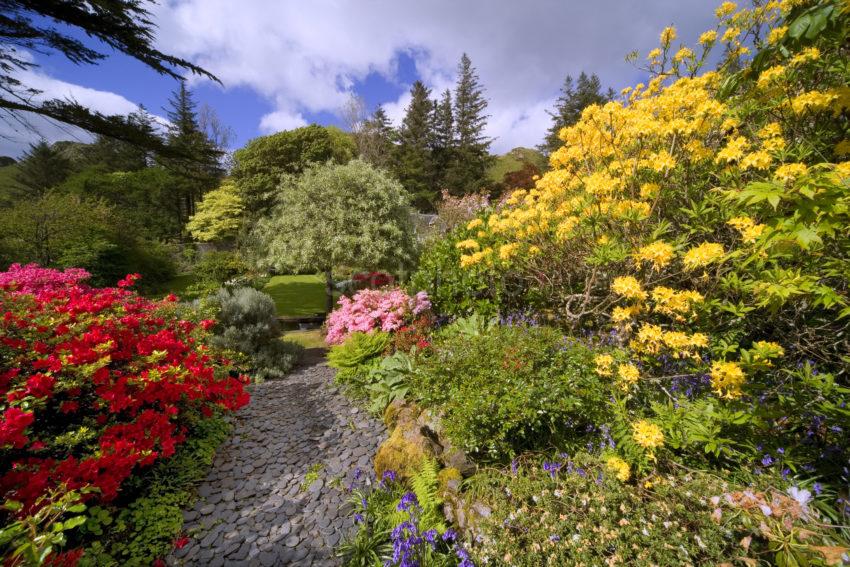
(628, 287)
(604, 364)
(727, 379)
(658, 254)
(652, 339)
(790, 171)
(703, 255)
(628, 374)
(647, 434)
(674, 303)
(618, 467)
(749, 229)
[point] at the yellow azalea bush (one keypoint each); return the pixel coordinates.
(704, 219)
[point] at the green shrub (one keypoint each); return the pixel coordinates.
(576, 512)
(356, 357)
(455, 291)
(220, 266)
(511, 389)
(247, 323)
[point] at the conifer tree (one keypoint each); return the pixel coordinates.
(575, 97)
(380, 136)
(42, 168)
(468, 170)
(443, 143)
(200, 172)
(413, 164)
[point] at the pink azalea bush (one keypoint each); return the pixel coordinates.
(374, 309)
(34, 279)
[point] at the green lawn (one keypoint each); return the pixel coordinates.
(308, 339)
(297, 296)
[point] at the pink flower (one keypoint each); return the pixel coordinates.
(387, 310)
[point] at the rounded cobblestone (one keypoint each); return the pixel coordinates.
(254, 507)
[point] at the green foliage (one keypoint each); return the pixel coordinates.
(247, 323)
(425, 485)
(412, 164)
(332, 215)
(511, 389)
(356, 357)
(456, 291)
(32, 539)
(219, 214)
(42, 168)
(297, 295)
(260, 164)
(514, 161)
(219, 266)
(582, 514)
(144, 530)
(389, 381)
(68, 231)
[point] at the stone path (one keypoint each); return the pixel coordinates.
(254, 507)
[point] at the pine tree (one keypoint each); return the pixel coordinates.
(116, 155)
(575, 97)
(200, 171)
(413, 164)
(443, 144)
(468, 171)
(42, 168)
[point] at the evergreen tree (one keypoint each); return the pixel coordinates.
(443, 144)
(116, 155)
(468, 170)
(42, 168)
(575, 97)
(380, 137)
(200, 170)
(413, 164)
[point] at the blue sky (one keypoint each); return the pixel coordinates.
(286, 63)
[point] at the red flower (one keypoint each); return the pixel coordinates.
(40, 385)
(12, 427)
(207, 324)
(181, 542)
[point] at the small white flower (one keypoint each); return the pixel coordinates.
(766, 509)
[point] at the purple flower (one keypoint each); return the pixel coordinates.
(449, 535)
(554, 538)
(388, 477)
(514, 467)
(407, 502)
(358, 518)
(767, 460)
(818, 488)
(551, 468)
(357, 473)
(429, 536)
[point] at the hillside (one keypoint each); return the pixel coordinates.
(513, 161)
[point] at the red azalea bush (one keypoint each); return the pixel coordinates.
(97, 383)
(372, 280)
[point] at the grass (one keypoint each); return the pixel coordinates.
(297, 296)
(514, 161)
(308, 339)
(179, 284)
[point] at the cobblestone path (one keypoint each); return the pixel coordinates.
(255, 507)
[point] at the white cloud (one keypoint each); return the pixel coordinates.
(281, 120)
(17, 133)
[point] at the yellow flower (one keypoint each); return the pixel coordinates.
(649, 339)
(842, 170)
(604, 363)
(770, 76)
(770, 130)
(842, 148)
(776, 34)
(813, 100)
(628, 287)
(766, 350)
(474, 223)
(682, 54)
(790, 171)
(733, 151)
(647, 435)
(467, 245)
(725, 9)
(649, 190)
(618, 467)
(623, 314)
(703, 255)
(750, 231)
(756, 160)
(662, 161)
(659, 254)
(654, 54)
(808, 54)
(674, 303)
(727, 379)
(628, 373)
(668, 35)
(507, 251)
(707, 38)
(730, 34)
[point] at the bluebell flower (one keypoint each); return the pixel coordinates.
(554, 538)
(551, 468)
(358, 518)
(407, 502)
(818, 488)
(514, 467)
(767, 460)
(449, 535)
(429, 536)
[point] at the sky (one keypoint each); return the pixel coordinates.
(288, 63)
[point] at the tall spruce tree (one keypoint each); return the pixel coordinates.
(468, 170)
(443, 143)
(575, 97)
(199, 171)
(413, 164)
(42, 168)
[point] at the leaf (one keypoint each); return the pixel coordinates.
(72, 523)
(799, 26)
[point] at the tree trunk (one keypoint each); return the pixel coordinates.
(329, 291)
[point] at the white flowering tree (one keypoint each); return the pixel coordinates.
(339, 215)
